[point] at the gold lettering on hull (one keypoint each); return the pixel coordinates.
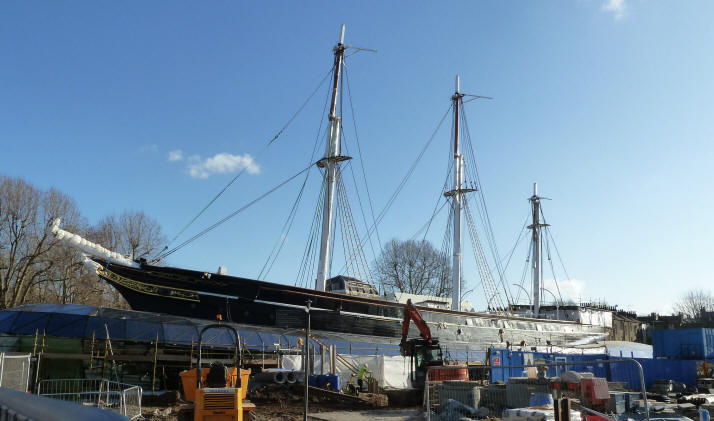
(148, 289)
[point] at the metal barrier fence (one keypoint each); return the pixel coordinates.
(531, 391)
(124, 399)
(15, 371)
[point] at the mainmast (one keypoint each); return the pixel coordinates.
(537, 244)
(457, 206)
(330, 163)
(457, 202)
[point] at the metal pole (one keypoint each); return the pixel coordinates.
(330, 359)
(190, 357)
(555, 299)
(527, 294)
(306, 368)
(156, 354)
(457, 205)
(322, 359)
(330, 162)
(34, 347)
(91, 353)
(537, 249)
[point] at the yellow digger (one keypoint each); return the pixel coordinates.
(217, 393)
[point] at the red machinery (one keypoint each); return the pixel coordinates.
(424, 352)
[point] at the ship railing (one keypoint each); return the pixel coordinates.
(543, 390)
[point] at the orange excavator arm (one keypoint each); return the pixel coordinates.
(412, 314)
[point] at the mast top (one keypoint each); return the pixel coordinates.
(342, 34)
(458, 82)
(535, 189)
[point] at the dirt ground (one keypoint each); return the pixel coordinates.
(263, 412)
(282, 405)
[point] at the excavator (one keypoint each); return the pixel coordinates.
(423, 352)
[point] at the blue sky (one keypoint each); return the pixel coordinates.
(606, 104)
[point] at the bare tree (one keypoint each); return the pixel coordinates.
(693, 302)
(413, 267)
(133, 234)
(34, 267)
(26, 259)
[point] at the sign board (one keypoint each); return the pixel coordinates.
(496, 360)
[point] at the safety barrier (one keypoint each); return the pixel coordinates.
(16, 406)
(534, 391)
(15, 371)
(122, 398)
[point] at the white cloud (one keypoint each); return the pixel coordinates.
(221, 163)
(176, 155)
(618, 8)
(150, 148)
(570, 289)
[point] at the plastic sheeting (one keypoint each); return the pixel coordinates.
(77, 321)
(534, 414)
(389, 371)
(628, 349)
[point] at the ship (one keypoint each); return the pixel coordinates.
(339, 304)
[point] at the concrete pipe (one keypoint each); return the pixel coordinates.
(270, 377)
(280, 377)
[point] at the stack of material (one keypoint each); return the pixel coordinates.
(618, 403)
(452, 410)
(519, 390)
(466, 392)
(534, 414)
(594, 393)
(494, 397)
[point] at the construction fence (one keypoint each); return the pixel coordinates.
(682, 371)
(533, 391)
(122, 398)
(15, 371)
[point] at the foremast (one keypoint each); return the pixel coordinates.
(331, 162)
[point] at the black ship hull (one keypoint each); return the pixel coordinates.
(246, 301)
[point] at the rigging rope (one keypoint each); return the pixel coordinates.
(220, 222)
(354, 254)
(447, 242)
(525, 272)
(552, 268)
(402, 183)
(483, 210)
(489, 286)
(258, 155)
(364, 176)
(293, 212)
(272, 257)
(309, 254)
